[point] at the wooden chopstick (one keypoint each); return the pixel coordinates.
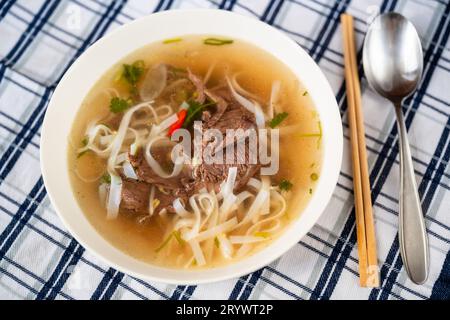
(367, 250)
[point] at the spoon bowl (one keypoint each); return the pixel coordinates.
(392, 56)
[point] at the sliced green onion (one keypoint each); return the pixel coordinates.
(314, 176)
(217, 42)
(217, 242)
(178, 237)
(277, 119)
(165, 243)
(172, 40)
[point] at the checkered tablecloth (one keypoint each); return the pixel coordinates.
(39, 259)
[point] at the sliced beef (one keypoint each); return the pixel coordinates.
(200, 86)
(136, 197)
(234, 117)
(146, 174)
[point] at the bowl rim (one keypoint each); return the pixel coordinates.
(74, 219)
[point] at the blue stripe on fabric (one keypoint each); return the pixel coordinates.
(109, 292)
(103, 283)
(60, 268)
(251, 284)
(159, 6)
(98, 31)
(188, 293)
(5, 5)
(12, 153)
(176, 294)
(222, 4)
(57, 289)
(32, 30)
(238, 287)
(441, 288)
(19, 220)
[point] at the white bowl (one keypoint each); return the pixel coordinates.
(95, 61)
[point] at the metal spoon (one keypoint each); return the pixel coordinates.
(393, 63)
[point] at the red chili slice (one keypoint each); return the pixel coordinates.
(177, 125)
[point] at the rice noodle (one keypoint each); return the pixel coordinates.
(225, 246)
(245, 239)
(255, 183)
(274, 99)
(227, 187)
(92, 133)
(221, 228)
(151, 208)
(103, 193)
(198, 254)
(252, 107)
(179, 208)
(241, 90)
(128, 171)
(114, 197)
(178, 166)
(120, 136)
(209, 72)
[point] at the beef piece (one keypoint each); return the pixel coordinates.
(235, 117)
(199, 85)
(146, 174)
(135, 195)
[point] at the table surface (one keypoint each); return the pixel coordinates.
(40, 260)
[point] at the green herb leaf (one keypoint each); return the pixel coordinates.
(310, 191)
(172, 40)
(277, 119)
(314, 176)
(131, 73)
(194, 111)
(285, 185)
(305, 93)
(217, 42)
(106, 178)
(118, 105)
(84, 142)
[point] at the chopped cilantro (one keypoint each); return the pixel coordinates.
(118, 105)
(131, 73)
(106, 178)
(285, 185)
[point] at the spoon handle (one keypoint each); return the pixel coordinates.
(412, 233)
